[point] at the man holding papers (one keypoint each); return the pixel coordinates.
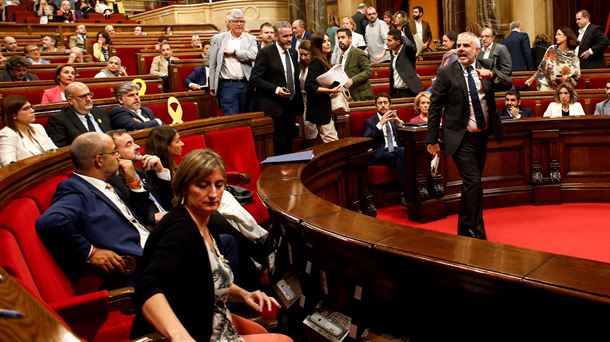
(357, 66)
(275, 77)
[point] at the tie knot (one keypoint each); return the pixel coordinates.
(469, 69)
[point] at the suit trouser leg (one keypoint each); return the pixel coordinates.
(470, 161)
(283, 133)
(395, 159)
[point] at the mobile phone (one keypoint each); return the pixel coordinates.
(286, 90)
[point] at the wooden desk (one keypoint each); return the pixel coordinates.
(541, 161)
(38, 323)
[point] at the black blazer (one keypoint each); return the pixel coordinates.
(319, 109)
(518, 45)
(122, 117)
(595, 40)
(371, 131)
(65, 126)
(176, 264)
(405, 62)
(268, 74)
(526, 112)
(450, 99)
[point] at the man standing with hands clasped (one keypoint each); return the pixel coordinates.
(463, 94)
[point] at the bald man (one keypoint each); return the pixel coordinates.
(10, 44)
(78, 118)
(91, 226)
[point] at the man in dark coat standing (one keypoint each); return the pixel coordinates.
(275, 77)
(463, 95)
(592, 42)
(518, 45)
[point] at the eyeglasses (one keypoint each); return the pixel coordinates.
(115, 151)
(27, 108)
(237, 21)
(30, 50)
(82, 97)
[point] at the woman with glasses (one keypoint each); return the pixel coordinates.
(64, 75)
(21, 137)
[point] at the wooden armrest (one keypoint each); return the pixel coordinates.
(150, 338)
(237, 177)
(122, 300)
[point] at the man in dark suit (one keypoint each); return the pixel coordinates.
(404, 81)
(463, 94)
(79, 117)
(357, 66)
(592, 42)
(130, 114)
(89, 226)
(299, 32)
(496, 54)
(518, 45)
(387, 148)
(512, 107)
(275, 77)
(360, 18)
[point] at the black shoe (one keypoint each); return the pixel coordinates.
(403, 198)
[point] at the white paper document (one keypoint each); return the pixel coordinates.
(434, 165)
(334, 74)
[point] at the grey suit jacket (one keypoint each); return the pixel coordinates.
(246, 55)
(499, 57)
(602, 107)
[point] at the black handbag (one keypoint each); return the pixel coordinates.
(242, 195)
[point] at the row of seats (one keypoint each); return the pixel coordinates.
(90, 313)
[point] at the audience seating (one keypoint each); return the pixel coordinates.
(145, 59)
(236, 146)
(179, 71)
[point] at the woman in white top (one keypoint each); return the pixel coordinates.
(357, 39)
(21, 137)
(565, 103)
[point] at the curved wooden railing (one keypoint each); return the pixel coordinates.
(423, 284)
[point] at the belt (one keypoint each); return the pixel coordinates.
(243, 80)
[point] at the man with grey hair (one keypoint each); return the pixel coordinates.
(231, 56)
(463, 95)
(130, 114)
(90, 225)
(79, 117)
(110, 30)
(276, 79)
(32, 52)
(518, 45)
(196, 42)
(299, 32)
(494, 54)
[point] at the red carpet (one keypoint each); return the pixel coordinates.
(576, 229)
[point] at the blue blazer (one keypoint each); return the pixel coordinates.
(80, 216)
(306, 35)
(197, 76)
(122, 117)
(371, 131)
(518, 44)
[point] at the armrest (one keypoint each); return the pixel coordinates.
(122, 300)
(234, 177)
(95, 303)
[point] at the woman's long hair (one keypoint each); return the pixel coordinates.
(10, 108)
(571, 41)
(158, 143)
(305, 45)
(316, 49)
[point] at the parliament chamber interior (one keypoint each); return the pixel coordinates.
(349, 248)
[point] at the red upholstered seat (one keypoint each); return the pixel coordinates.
(598, 81)
(190, 111)
(192, 142)
(88, 73)
(13, 262)
(357, 119)
(86, 314)
(381, 72)
(127, 55)
(44, 74)
(236, 146)
(42, 193)
(426, 70)
(380, 88)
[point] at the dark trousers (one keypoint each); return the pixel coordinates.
(232, 96)
(398, 93)
(394, 159)
(470, 161)
(283, 133)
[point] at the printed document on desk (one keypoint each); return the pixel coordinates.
(303, 156)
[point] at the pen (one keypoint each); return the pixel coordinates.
(11, 313)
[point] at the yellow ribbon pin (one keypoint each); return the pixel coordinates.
(142, 86)
(175, 114)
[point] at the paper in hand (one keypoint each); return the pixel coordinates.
(434, 165)
(334, 74)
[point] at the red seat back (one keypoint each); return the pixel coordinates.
(236, 146)
(357, 119)
(190, 111)
(13, 262)
(43, 192)
(192, 142)
(20, 216)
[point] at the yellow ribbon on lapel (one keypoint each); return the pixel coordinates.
(175, 114)
(142, 86)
